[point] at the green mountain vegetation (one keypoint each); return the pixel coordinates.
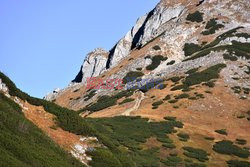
(23, 144)
(124, 138)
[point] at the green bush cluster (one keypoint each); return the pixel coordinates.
(195, 17)
(196, 153)
(210, 84)
(212, 26)
(222, 37)
(229, 57)
(124, 93)
(172, 161)
(102, 103)
(238, 163)
(147, 157)
(193, 164)
(191, 48)
(175, 79)
(193, 98)
(211, 23)
(183, 136)
(237, 48)
(103, 157)
(157, 103)
(227, 147)
(192, 71)
(209, 92)
(175, 161)
(126, 101)
(209, 138)
(182, 96)
(204, 76)
(91, 94)
(241, 141)
(167, 142)
(132, 76)
(199, 95)
(168, 97)
(169, 145)
(173, 101)
(169, 118)
(199, 77)
(179, 87)
(162, 86)
(236, 89)
(207, 48)
(246, 90)
(221, 131)
(155, 83)
(156, 61)
(108, 101)
(171, 62)
(165, 139)
(244, 35)
(139, 69)
(157, 47)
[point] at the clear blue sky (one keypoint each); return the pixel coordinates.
(44, 42)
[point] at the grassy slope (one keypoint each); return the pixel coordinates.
(115, 142)
(23, 144)
(124, 137)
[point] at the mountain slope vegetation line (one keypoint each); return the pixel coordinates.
(72, 122)
(23, 144)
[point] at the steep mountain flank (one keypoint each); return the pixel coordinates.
(203, 140)
(174, 91)
(187, 34)
(22, 142)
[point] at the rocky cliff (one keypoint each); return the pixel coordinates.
(93, 65)
(187, 34)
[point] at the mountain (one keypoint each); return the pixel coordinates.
(187, 34)
(174, 91)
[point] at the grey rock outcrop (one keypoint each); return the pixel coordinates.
(3, 86)
(93, 65)
(146, 28)
(123, 47)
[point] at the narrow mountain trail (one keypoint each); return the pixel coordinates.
(136, 106)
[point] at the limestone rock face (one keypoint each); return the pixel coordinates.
(146, 28)
(123, 47)
(3, 86)
(167, 27)
(93, 65)
(52, 95)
